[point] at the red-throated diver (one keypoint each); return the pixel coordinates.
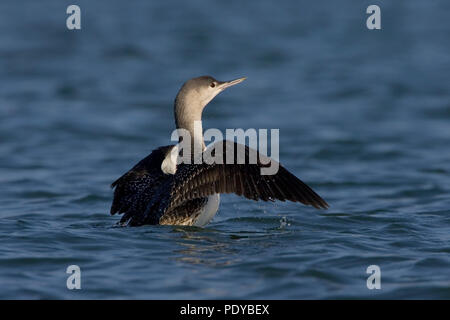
(157, 190)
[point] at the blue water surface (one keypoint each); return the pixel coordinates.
(364, 118)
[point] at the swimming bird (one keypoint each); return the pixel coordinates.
(158, 190)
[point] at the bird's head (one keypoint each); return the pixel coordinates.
(198, 92)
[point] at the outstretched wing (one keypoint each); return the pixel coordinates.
(192, 181)
(135, 188)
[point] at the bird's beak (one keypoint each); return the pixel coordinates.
(226, 84)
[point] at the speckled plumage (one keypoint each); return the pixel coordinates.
(148, 196)
(135, 188)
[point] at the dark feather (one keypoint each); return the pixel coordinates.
(145, 195)
(136, 187)
(191, 180)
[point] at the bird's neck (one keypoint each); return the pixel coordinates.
(189, 117)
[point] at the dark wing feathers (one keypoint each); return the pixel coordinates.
(145, 194)
(200, 180)
(246, 181)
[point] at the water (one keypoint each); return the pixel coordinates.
(363, 118)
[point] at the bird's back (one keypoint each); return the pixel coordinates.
(134, 189)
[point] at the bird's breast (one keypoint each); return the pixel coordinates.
(208, 211)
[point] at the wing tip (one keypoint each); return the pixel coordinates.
(113, 210)
(317, 202)
(322, 205)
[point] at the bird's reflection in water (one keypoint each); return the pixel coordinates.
(208, 247)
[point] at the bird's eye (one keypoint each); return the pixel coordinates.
(212, 85)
